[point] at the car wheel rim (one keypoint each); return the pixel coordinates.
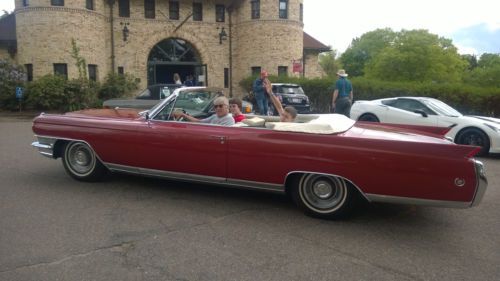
(80, 158)
(323, 194)
(473, 139)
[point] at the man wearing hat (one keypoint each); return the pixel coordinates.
(259, 91)
(342, 96)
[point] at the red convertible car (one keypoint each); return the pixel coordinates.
(324, 162)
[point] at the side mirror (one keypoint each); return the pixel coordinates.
(421, 112)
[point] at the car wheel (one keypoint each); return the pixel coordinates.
(81, 163)
(476, 137)
(368, 117)
(323, 196)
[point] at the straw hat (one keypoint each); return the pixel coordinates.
(342, 73)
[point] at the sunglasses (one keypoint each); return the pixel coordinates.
(219, 105)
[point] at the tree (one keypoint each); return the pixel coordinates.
(486, 73)
(11, 76)
(329, 62)
(363, 49)
(418, 55)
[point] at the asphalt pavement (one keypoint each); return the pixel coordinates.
(130, 228)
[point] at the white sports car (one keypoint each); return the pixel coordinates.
(470, 130)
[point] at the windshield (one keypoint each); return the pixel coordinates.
(288, 89)
(192, 102)
(441, 108)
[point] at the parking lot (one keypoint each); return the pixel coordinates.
(130, 228)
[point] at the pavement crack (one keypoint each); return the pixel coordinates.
(121, 247)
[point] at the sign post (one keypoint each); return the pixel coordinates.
(19, 96)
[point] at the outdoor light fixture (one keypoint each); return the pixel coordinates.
(222, 35)
(125, 30)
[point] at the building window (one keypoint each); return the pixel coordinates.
(89, 4)
(282, 70)
(226, 77)
(149, 9)
(124, 8)
(197, 11)
(29, 72)
(121, 71)
(256, 70)
(220, 13)
(26, 3)
(173, 10)
(92, 72)
(57, 2)
(61, 69)
(255, 9)
(283, 9)
(301, 15)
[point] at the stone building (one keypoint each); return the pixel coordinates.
(219, 42)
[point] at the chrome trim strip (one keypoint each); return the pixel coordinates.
(417, 201)
(277, 188)
(45, 145)
(333, 175)
(482, 183)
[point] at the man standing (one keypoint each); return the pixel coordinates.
(259, 91)
(342, 96)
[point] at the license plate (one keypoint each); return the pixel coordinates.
(297, 100)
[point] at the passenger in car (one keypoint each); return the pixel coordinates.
(221, 116)
(235, 106)
(287, 114)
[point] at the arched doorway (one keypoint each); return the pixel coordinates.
(175, 55)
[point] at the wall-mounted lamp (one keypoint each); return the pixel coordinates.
(222, 35)
(125, 30)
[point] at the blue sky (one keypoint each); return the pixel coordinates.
(474, 26)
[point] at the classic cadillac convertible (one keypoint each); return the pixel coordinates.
(324, 162)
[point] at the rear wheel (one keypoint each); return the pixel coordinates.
(476, 137)
(81, 163)
(323, 196)
(368, 117)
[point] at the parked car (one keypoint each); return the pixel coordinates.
(468, 130)
(288, 94)
(325, 162)
(145, 99)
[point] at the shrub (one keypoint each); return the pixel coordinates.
(47, 92)
(11, 76)
(116, 86)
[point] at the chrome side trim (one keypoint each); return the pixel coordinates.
(45, 146)
(417, 201)
(277, 188)
(482, 183)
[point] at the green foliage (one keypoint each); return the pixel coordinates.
(11, 76)
(81, 63)
(117, 85)
(329, 63)
(47, 92)
(417, 55)
(363, 49)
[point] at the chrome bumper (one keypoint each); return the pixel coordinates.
(482, 183)
(45, 146)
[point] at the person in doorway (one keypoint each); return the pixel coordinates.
(259, 91)
(177, 79)
(235, 106)
(221, 116)
(287, 114)
(343, 95)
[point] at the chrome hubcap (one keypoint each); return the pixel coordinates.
(322, 189)
(80, 159)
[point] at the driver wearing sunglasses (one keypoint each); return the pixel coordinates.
(221, 116)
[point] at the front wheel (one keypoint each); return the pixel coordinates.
(81, 163)
(476, 137)
(323, 196)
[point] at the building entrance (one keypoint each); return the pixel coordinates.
(172, 56)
